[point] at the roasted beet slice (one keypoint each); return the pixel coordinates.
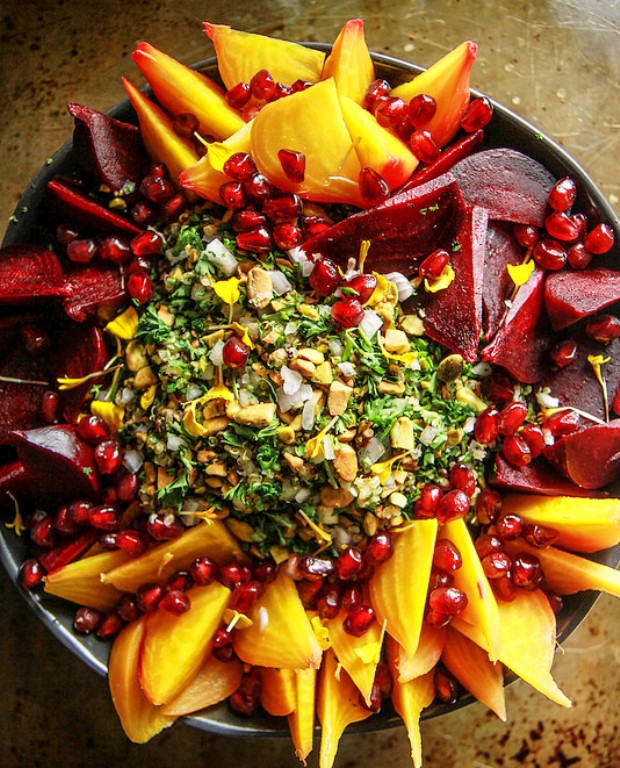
(108, 149)
(510, 185)
(402, 230)
(453, 316)
(538, 477)
(591, 457)
(29, 273)
(13, 482)
(450, 155)
(571, 295)
(20, 401)
(71, 205)
(501, 249)
(94, 287)
(521, 345)
(576, 385)
(59, 465)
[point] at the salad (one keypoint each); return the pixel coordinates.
(310, 396)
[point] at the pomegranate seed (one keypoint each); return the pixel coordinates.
(148, 596)
(526, 235)
(239, 166)
(488, 506)
(379, 549)
(114, 249)
(446, 687)
(389, 111)
(173, 207)
(310, 593)
(540, 535)
(604, 328)
(225, 654)
(499, 388)
(347, 313)
(175, 602)
(314, 225)
(157, 189)
(109, 457)
(144, 213)
(34, 338)
(257, 187)
(245, 595)
(108, 540)
(452, 505)
(509, 527)
(104, 518)
(378, 89)
(437, 619)
(255, 240)
(43, 532)
(373, 187)
(286, 205)
(300, 85)
(203, 571)
(245, 219)
(233, 195)
(127, 608)
(550, 254)
(50, 402)
(421, 110)
(428, 502)
(127, 486)
(439, 579)
(281, 91)
(244, 703)
(535, 439)
(133, 542)
(93, 429)
(359, 620)
(600, 239)
(81, 251)
(314, 568)
(111, 624)
(526, 571)
(364, 286)
(516, 451)
(265, 571)
(87, 620)
(350, 596)
(486, 428)
(562, 422)
(286, 235)
(249, 112)
(423, 146)
(504, 588)
(328, 604)
(477, 115)
(579, 256)
(164, 527)
(137, 264)
(496, 564)
(222, 638)
(64, 523)
(463, 478)
(78, 511)
(562, 227)
(239, 95)
(434, 264)
(511, 417)
(31, 573)
(348, 564)
(235, 352)
(179, 580)
(324, 277)
(563, 194)
(293, 164)
(233, 574)
(564, 353)
(447, 556)
(488, 543)
(65, 233)
(147, 244)
(262, 85)
(555, 601)
(140, 286)
(185, 125)
(447, 600)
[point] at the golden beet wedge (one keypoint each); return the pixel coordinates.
(279, 691)
(301, 719)
(214, 682)
(426, 656)
(349, 62)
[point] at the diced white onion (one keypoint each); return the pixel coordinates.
(336, 347)
(546, 400)
(404, 287)
(290, 329)
(286, 402)
(125, 396)
(279, 281)
(219, 255)
(291, 380)
(328, 448)
(303, 494)
(308, 414)
(133, 460)
(372, 451)
(371, 323)
(175, 443)
(428, 434)
(348, 370)
(299, 256)
(216, 353)
(193, 392)
(482, 370)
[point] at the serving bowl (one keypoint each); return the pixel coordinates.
(505, 130)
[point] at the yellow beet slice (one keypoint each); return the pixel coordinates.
(447, 81)
(338, 706)
(398, 587)
(376, 147)
(174, 648)
(181, 90)
(481, 608)
(349, 62)
(309, 122)
(426, 656)
(528, 630)
(240, 55)
(140, 719)
(210, 539)
(409, 700)
(301, 720)
(584, 524)
(470, 665)
(162, 142)
(80, 581)
(279, 691)
(281, 634)
(215, 682)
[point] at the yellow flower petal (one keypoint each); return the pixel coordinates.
(235, 620)
(111, 413)
(228, 290)
(521, 273)
(442, 282)
(242, 331)
(124, 326)
(385, 291)
(371, 652)
(321, 632)
(314, 446)
(384, 468)
(596, 361)
(147, 398)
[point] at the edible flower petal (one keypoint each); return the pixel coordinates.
(596, 361)
(442, 282)
(321, 632)
(124, 325)
(521, 273)
(228, 290)
(111, 413)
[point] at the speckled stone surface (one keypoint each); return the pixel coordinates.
(555, 63)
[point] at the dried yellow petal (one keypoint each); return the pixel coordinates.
(124, 325)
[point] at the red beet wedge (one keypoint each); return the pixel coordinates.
(572, 295)
(29, 273)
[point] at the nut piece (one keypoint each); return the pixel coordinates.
(294, 462)
(213, 426)
(345, 463)
(396, 341)
(336, 498)
(391, 387)
(144, 378)
(338, 398)
(258, 415)
(135, 357)
(401, 434)
(305, 367)
(450, 368)
(260, 288)
(313, 355)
